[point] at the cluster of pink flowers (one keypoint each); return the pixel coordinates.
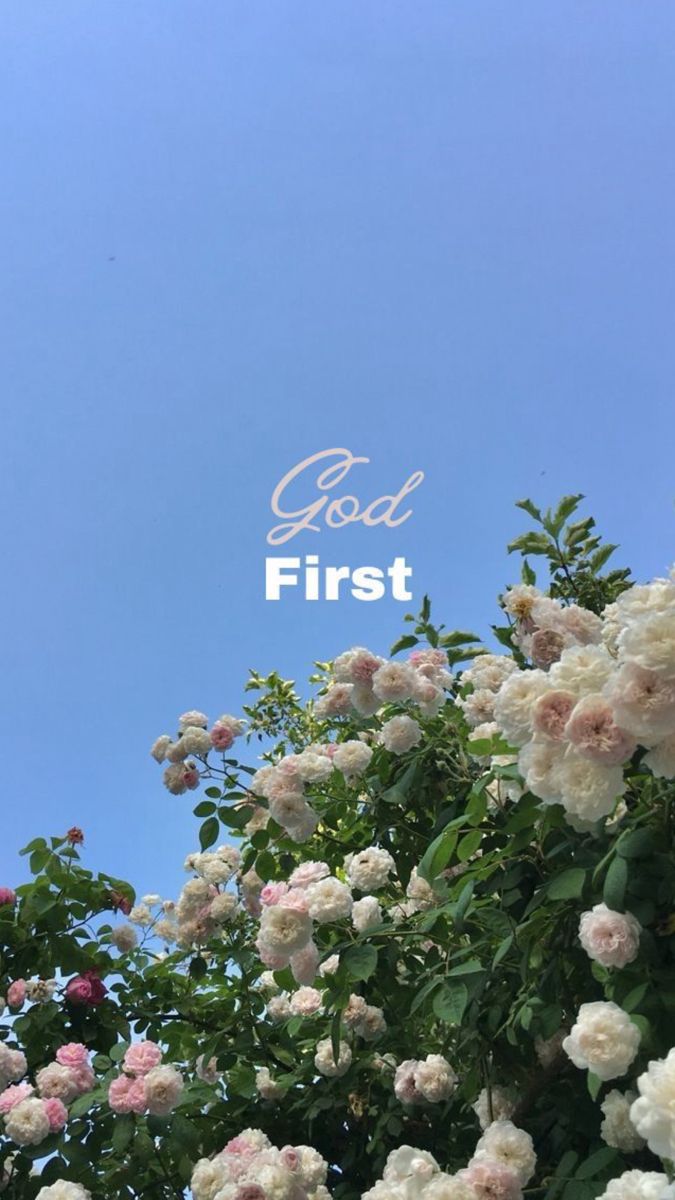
(194, 740)
(145, 1084)
(362, 682)
(251, 1168)
(284, 784)
(86, 989)
(289, 911)
(30, 1112)
(7, 896)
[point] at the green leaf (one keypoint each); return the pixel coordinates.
(531, 543)
(636, 994)
(208, 833)
(458, 637)
(597, 1164)
(398, 793)
(503, 949)
(472, 967)
(469, 844)
(360, 961)
(594, 1085)
(569, 885)
(204, 808)
(639, 843)
(567, 506)
(459, 909)
(404, 643)
(438, 854)
(529, 507)
(214, 792)
(123, 1132)
(527, 574)
(615, 884)
(450, 1002)
(599, 558)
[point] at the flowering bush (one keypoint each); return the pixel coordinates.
(425, 945)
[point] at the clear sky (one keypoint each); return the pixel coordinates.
(439, 234)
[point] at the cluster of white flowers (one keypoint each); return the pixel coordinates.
(362, 682)
(502, 1164)
(202, 909)
(431, 1079)
(250, 1165)
(193, 740)
(599, 687)
(603, 1039)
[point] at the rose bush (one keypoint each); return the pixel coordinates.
(425, 946)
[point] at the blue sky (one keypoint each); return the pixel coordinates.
(437, 234)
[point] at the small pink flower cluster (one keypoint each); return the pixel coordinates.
(289, 911)
(283, 785)
(145, 1084)
(7, 896)
(193, 739)
(362, 682)
(31, 1113)
(251, 1168)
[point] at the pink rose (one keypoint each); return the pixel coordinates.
(290, 1158)
(127, 1095)
(14, 1095)
(84, 1078)
(305, 964)
(142, 1057)
(551, 713)
(296, 900)
(272, 893)
(250, 1191)
(492, 1180)
(73, 1054)
(595, 734)
(86, 989)
(239, 1145)
(308, 872)
(191, 776)
(610, 938)
(16, 993)
(221, 737)
(275, 962)
(7, 895)
(57, 1114)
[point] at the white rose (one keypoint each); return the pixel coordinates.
(603, 1039)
